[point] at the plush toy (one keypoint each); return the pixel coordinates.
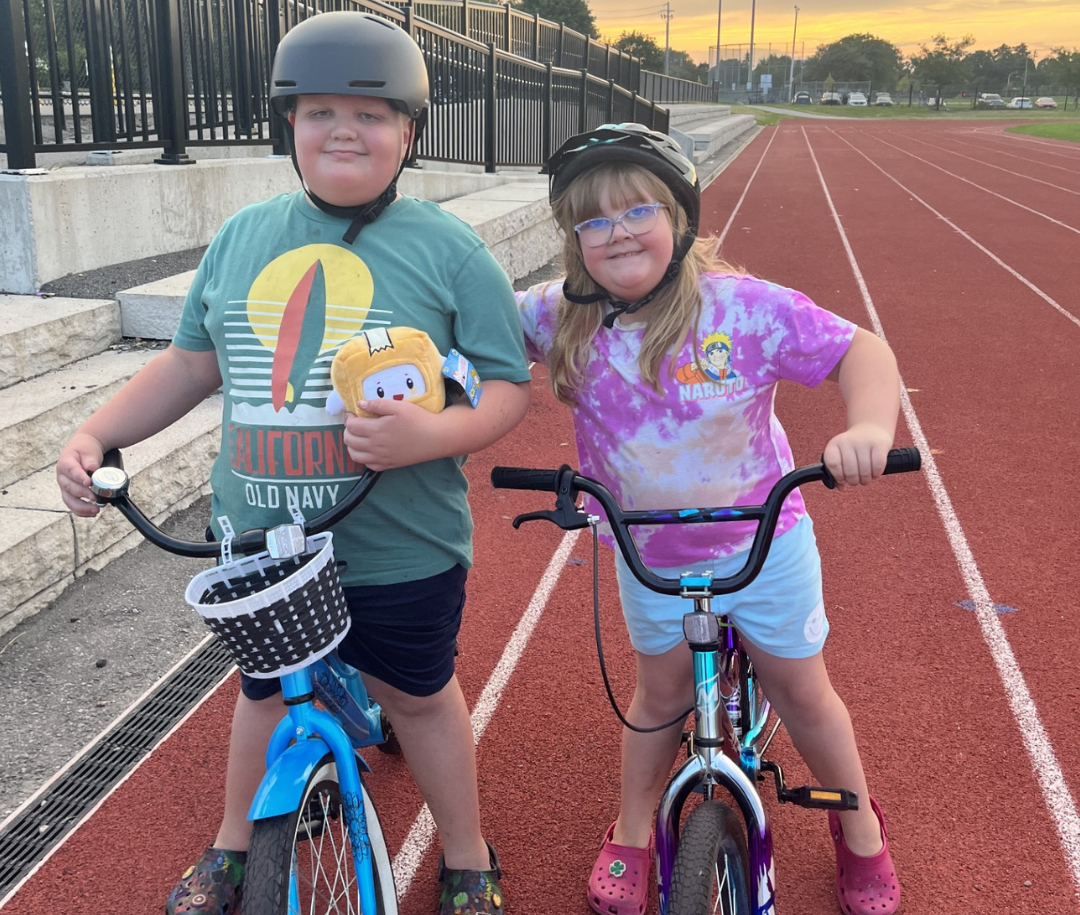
(396, 363)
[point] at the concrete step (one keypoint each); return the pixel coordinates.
(38, 335)
(703, 139)
(513, 219)
(695, 113)
(43, 548)
(40, 414)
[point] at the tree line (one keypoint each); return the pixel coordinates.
(853, 58)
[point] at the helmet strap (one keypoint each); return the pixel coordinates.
(619, 307)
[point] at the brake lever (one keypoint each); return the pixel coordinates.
(567, 520)
(567, 514)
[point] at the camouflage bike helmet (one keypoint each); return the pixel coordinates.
(638, 145)
(351, 53)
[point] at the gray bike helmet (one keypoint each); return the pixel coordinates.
(634, 143)
(638, 145)
(351, 53)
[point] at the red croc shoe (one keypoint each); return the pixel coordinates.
(619, 884)
(865, 885)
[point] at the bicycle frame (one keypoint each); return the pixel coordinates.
(722, 755)
(289, 765)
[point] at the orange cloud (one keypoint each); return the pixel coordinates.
(1042, 25)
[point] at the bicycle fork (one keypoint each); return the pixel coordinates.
(297, 747)
(709, 766)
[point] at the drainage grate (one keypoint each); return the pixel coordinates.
(41, 826)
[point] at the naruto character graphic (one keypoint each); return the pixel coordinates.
(715, 364)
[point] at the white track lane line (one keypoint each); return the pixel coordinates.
(1054, 149)
(422, 832)
(742, 197)
(1051, 779)
(996, 151)
(952, 225)
(960, 155)
(967, 181)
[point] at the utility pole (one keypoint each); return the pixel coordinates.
(719, 12)
(666, 15)
(750, 71)
(791, 80)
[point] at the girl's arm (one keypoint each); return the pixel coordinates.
(402, 433)
(161, 392)
(870, 384)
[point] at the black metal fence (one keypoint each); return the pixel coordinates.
(169, 74)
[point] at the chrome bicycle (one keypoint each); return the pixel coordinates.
(715, 860)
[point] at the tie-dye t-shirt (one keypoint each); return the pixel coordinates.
(710, 438)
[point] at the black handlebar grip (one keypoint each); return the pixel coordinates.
(903, 460)
(523, 478)
(113, 458)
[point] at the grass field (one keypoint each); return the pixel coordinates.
(1066, 130)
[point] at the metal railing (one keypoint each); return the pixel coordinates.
(169, 74)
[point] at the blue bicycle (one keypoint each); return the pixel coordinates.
(714, 860)
(275, 602)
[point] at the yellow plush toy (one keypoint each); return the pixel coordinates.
(391, 363)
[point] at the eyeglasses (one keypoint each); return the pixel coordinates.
(599, 231)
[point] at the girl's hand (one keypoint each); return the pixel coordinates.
(857, 456)
(79, 459)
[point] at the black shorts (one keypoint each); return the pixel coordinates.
(404, 634)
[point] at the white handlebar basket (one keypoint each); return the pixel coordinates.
(275, 616)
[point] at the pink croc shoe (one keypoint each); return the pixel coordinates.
(865, 885)
(619, 884)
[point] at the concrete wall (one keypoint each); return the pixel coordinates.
(81, 218)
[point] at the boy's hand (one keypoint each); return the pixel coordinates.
(79, 459)
(857, 456)
(398, 435)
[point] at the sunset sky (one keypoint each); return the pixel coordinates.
(1042, 24)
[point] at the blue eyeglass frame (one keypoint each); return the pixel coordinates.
(618, 220)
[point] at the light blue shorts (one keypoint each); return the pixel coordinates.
(781, 612)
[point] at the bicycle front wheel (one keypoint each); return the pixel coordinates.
(711, 873)
(302, 862)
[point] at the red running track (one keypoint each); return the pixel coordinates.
(966, 717)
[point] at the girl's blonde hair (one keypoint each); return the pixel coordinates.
(676, 307)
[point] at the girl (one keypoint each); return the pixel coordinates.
(670, 362)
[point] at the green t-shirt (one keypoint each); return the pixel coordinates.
(275, 296)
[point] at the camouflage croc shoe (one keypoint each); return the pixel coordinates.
(211, 886)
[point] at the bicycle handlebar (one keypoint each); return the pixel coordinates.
(566, 483)
(110, 485)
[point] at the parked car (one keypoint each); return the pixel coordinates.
(831, 98)
(857, 99)
(802, 98)
(990, 100)
(1020, 102)
(883, 99)
(1045, 102)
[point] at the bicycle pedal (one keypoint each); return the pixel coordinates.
(820, 798)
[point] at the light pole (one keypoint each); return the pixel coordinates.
(791, 79)
(750, 71)
(666, 15)
(719, 12)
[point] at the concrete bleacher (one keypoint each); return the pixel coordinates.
(704, 129)
(61, 358)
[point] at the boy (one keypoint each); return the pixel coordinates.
(284, 283)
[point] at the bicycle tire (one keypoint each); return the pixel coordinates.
(312, 843)
(712, 870)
